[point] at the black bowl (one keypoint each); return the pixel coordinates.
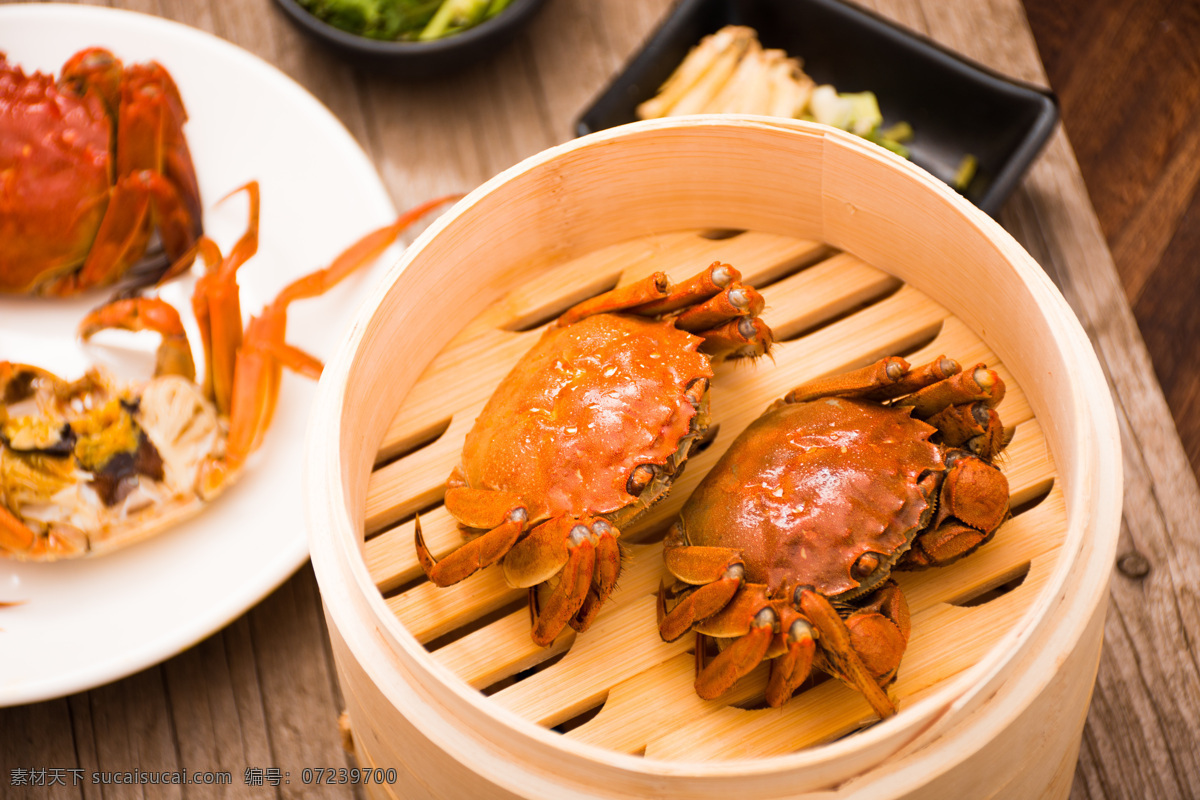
(418, 59)
(955, 106)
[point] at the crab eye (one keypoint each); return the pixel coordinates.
(866, 565)
(640, 479)
(695, 390)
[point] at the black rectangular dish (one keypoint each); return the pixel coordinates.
(955, 106)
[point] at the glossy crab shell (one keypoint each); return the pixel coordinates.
(587, 405)
(91, 165)
(808, 488)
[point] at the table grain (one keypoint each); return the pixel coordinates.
(262, 693)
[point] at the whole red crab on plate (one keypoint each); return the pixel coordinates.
(92, 164)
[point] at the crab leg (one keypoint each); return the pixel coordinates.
(502, 512)
(735, 300)
(604, 577)
(739, 658)
(838, 650)
(260, 360)
(718, 572)
(974, 500)
(565, 600)
(568, 548)
(159, 188)
(472, 556)
(121, 238)
(747, 337)
(695, 289)
(151, 137)
(978, 383)
(790, 669)
(879, 631)
(174, 356)
(973, 425)
(649, 289)
(217, 305)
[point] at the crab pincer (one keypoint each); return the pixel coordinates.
(586, 432)
(785, 550)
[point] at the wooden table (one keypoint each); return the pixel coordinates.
(262, 693)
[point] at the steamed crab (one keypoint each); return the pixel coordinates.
(786, 548)
(586, 432)
(91, 465)
(91, 164)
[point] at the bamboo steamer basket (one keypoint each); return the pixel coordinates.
(862, 255)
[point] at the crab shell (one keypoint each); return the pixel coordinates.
(585, 407)
(808, 488)
(90, 165)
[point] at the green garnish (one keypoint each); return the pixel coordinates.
(965, 172)
(408, 20)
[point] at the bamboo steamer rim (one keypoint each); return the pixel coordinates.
(335, 491)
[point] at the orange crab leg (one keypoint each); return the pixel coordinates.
(790, 669)
(604, 576)
(699, 287)
(838, 649)
(746, 336)
(717, 570)
(735, 300)
(568, 596)
(879, 632)
(259, 362)
(885, 372)
(150, 131)
(157, 188)
(649, 289)
(977, 383)
(217, 305)
(174, 356)
(739, 658)
(472, 556)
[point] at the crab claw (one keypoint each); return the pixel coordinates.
(739, 658)
(472, 556)
(838, 650)
(790, 669)
(174, 356)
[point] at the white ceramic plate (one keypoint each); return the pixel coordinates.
(83, 623)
